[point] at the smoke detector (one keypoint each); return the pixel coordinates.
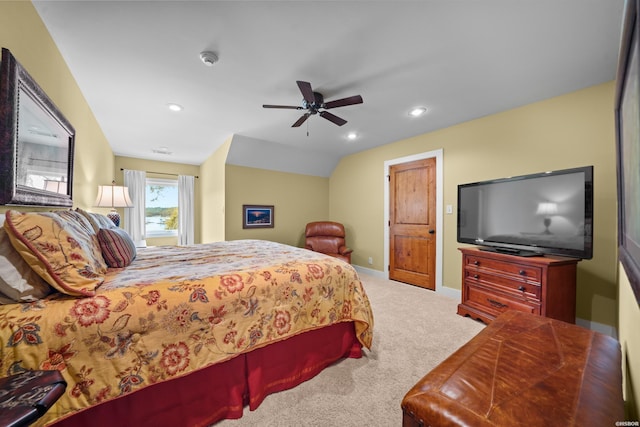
(208, 58)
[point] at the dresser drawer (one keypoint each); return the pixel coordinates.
(508, 284)
(526, 273)
(494, 303)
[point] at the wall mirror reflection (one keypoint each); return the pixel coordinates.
(36, 143)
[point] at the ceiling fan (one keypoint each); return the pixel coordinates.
(314, 103)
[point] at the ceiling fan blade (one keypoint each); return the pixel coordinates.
(290, 107)
(343, 102)
(332, 118)
(301, 120)
(307, 92)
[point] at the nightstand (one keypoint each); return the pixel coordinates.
(25, 397)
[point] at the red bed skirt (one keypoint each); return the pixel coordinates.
(221, 391)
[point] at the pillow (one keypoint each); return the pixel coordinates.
(5, 300)
(81, 220)
(118, 250)
(61, 251)
(96, 220)
(18, 282)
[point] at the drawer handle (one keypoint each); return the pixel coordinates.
(521, 288)
(522, 272)
(476, 262)
(497, 303)
(475, 276)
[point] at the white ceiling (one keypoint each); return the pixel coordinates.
(461, 59)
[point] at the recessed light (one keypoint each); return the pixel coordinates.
(174, 107)
(417, 112)
(351, 136)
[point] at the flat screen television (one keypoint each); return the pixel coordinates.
(531, 215)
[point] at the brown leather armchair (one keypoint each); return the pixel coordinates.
(327, 237)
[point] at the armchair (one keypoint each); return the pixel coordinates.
(327, 237)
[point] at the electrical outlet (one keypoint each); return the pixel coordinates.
(370, 260)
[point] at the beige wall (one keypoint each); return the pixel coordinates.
(297, 200)
(24, 34)
(356, 193)
(164, 168)
(629, 316)
(212, 186)
(567, 131)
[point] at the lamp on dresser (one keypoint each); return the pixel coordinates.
(113, 196)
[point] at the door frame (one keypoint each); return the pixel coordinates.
(438, 154)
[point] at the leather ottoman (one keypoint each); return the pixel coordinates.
(523, 369)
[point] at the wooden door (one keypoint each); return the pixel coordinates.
(412, 223)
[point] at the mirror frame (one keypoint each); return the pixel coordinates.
(13, 78)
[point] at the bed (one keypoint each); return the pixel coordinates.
(180, 335)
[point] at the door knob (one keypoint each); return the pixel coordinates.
(432, 231)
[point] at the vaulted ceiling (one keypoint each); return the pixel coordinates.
(461, 59)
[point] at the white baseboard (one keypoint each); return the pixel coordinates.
(371, 272)
(450, 292)
(587, 324)
(457, 295)
(442, 290)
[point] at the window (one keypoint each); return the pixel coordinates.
(161, 207)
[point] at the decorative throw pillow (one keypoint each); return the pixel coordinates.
(97, 220)
(18, 282)
(81, 220)
(118, 250)
(61, 251)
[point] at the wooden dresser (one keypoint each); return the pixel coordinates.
(493, 283)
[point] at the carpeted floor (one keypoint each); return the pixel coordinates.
(415, 329)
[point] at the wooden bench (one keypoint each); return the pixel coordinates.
(523, 369)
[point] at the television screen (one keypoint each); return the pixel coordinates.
(537, 214)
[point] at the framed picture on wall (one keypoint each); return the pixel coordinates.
(257, 216)
(627, 114)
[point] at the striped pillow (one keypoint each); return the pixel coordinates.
(96, 220)
(118, 250)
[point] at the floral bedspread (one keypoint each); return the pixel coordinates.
(175, 310)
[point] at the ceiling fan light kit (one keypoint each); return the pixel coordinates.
(314, 103)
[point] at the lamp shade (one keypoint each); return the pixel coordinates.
(113, 196)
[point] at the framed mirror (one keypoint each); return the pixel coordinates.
(36, 142)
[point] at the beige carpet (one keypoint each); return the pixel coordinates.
(415, 329)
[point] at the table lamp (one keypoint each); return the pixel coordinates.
(113, 196)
